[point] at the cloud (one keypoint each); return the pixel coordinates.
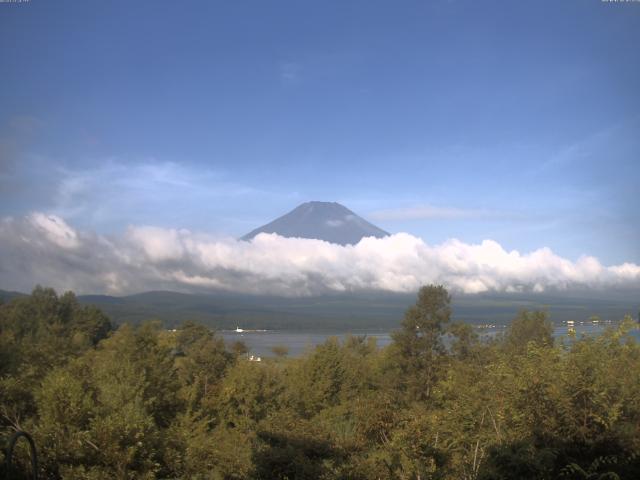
(426, 212)
(334, 223)
(290, 72)
(45, 249)
(113, 193)
(55, 230)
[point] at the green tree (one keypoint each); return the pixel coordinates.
(418, 344)
(529, 326)
(280, 350)
(464, 340)
(202, 359)
(40, 332)
(102, 415)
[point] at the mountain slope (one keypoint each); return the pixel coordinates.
(7, 296)
(348, 311)
(327, 221)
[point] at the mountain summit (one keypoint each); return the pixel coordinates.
(327, 221)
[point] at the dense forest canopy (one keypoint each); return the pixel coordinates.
(145, 402)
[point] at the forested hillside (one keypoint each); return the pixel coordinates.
(144, 402)
(346, 311)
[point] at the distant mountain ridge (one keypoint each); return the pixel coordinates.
(328, 221)
(343, 311)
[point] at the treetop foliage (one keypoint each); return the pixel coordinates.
(440, 402)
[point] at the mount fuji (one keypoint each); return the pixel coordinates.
(327, 221)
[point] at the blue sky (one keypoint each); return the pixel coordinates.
(512, 121)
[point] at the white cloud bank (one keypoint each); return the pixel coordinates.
(45, 249)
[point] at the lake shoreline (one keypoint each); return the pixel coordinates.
(298, 341)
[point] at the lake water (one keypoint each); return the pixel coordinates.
(260, 342)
